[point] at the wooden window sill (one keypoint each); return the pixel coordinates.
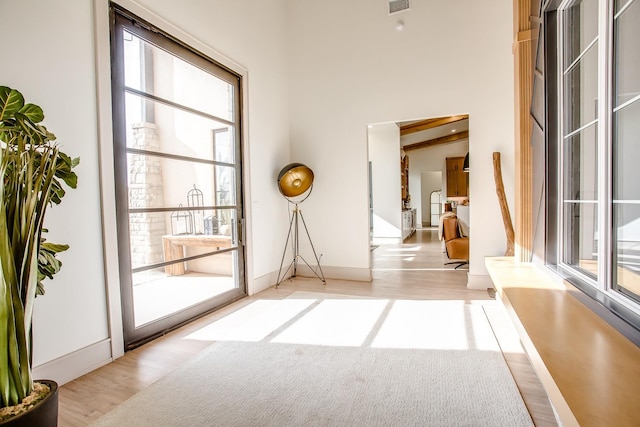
(590, 371)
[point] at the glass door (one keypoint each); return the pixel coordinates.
(178, 176)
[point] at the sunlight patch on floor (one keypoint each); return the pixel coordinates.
(335, 322)
(352, 322)
(407, 249)
(253, 322)
(424, 325)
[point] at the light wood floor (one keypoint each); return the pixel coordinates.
(413, 270)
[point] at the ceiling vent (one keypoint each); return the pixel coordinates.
(396, 6)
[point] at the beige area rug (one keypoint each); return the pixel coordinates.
(316, 359)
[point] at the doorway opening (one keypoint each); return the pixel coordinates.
(415, 170)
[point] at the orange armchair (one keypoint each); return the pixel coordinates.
(456, 246)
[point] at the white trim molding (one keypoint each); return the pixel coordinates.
(479, 281)
(74, 365)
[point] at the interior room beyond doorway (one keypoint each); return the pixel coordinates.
(416, 169)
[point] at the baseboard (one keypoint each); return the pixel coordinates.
(261, 283)
(75, 364)
(479, 281)
(338, 273)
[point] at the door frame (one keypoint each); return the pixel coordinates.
(114, 324)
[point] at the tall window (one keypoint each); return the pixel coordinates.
(579, 145)
(626, 148)
(595, 205)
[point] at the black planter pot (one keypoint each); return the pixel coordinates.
(44, 414)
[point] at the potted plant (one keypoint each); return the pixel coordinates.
(34, 171)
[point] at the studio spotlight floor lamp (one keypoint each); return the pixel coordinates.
(295, 182)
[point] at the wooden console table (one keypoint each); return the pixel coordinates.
(173, 247)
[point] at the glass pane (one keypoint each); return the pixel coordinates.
(580, 243)
(145, 233)
(619, 4)
(160, 182)
(580, 173)
(181, 133)
(581, 18)
(627, 54)
(221, 222)
(157, 72)
(580, 201)
(158, 293)
(626, 153)
(225, 186)
(581, 92)
(157, 237)
(626, 195)
(627, 248)
(224, 145)
(204, 222)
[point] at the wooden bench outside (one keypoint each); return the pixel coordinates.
(173, 247)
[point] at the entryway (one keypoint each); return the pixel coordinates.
(410, 172)
(178, 171)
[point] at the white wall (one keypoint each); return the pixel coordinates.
(57, 71)
(415, 192)
(351, 67)
(384, 155)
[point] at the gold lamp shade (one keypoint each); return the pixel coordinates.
(294, 179)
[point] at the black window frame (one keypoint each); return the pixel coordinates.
(121, 18)
(617, 314)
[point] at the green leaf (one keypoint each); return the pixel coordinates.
(33, 112)
(40, 287)
(11, 101)
(53, 247)
(38, 134)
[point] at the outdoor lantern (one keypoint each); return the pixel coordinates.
(196, 200)
(181, 222)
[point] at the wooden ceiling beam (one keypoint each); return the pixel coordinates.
(437, 141)
(430, 124)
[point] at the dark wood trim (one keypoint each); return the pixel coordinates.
(430, 124)
(437, 141)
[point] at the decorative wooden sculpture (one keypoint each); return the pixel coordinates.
(504, 207)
